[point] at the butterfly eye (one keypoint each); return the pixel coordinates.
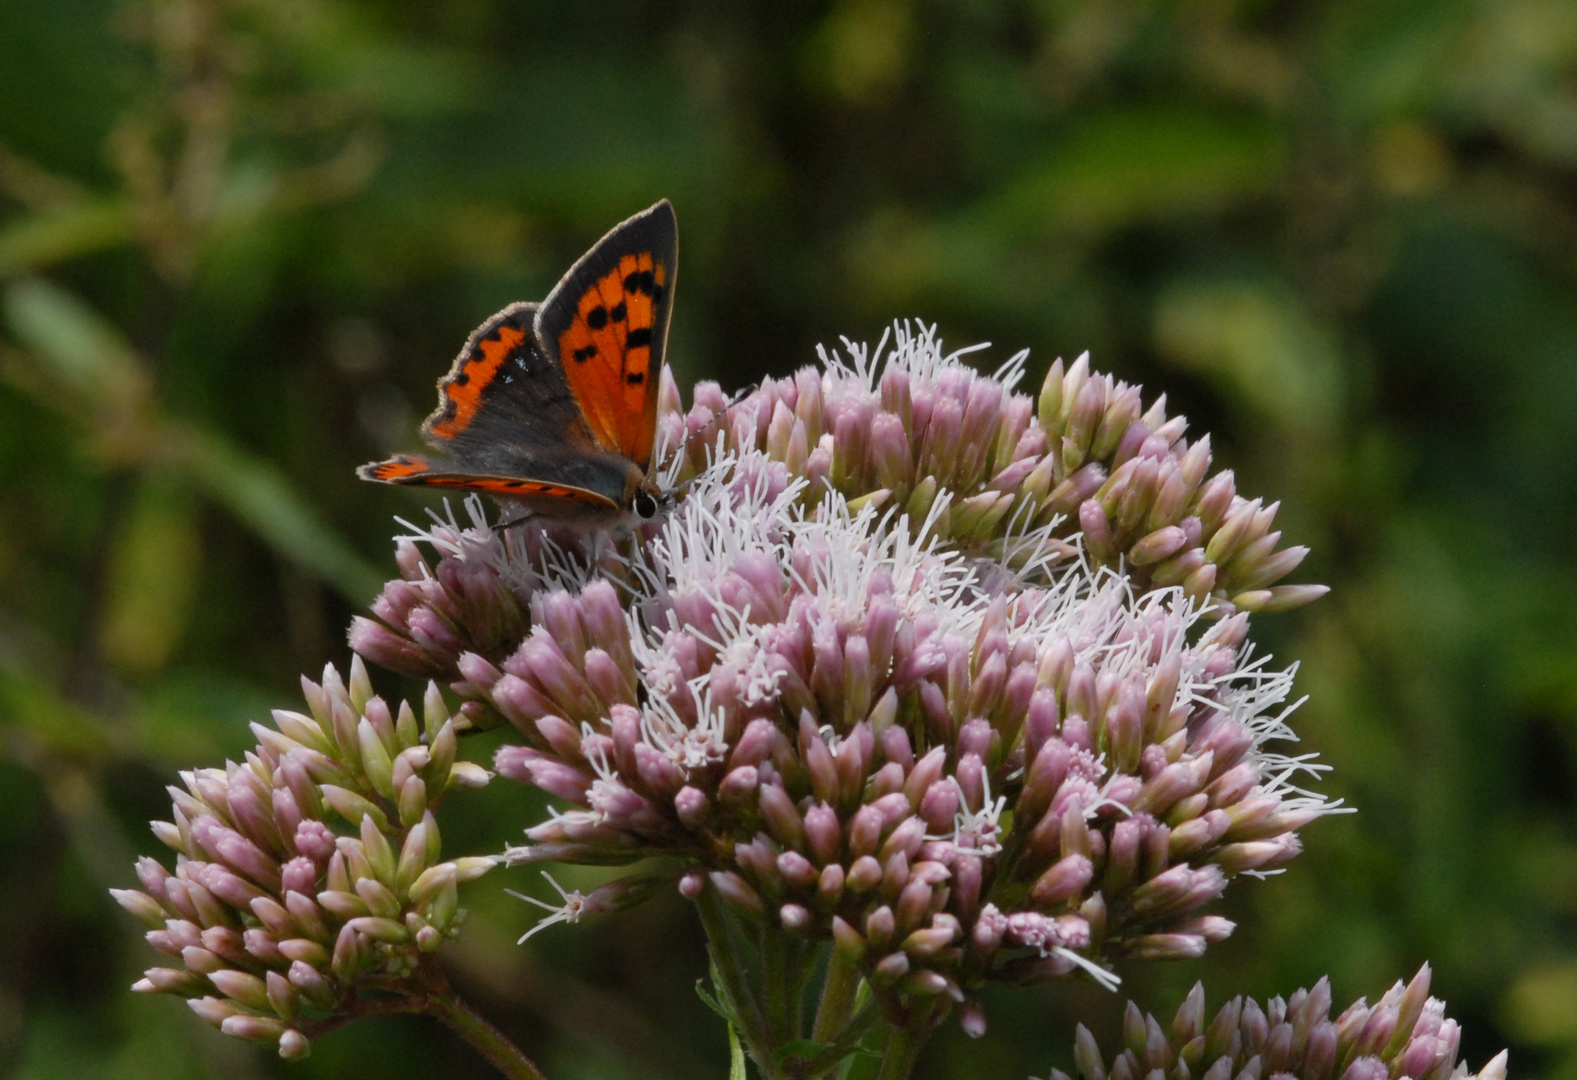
(645, 505)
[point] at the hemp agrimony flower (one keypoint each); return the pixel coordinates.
(950, 679)
(1404, 1034)
(311, 870)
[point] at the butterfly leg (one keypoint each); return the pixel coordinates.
(505, 526)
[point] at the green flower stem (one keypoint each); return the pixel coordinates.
(903, 1051)
(826, 1063)
(730, 968)
(774, 979)
(358, 1008)
(837, 999)
(491, 1043)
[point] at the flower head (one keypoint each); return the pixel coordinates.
(907, 428)
(1404, 1034)
(883, 679)
(310, 868)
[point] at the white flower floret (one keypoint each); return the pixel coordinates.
(690, 748)
(570, 911)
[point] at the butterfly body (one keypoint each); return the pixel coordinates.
(552, 407)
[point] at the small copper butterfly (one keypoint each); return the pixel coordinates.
(553, 406)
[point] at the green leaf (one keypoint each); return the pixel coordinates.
(1260, 342)
(263, 499)
(800, 1048)
(30, 705)
(62, 233)
(714, 1002)
(89, 356)
(736, 1056)
(152, 580)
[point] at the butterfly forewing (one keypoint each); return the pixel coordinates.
(608, 323)
(509, 425)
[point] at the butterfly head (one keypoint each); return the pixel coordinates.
(647, 506)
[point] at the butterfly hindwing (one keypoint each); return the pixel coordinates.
(607, 324)
(415, 470)
(500, 366)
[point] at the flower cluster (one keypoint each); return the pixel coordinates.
(276, 917)
(854, 731)
(918, 432)
(951, 678)
(1404, 1034)
(1122, 477)
(871, 683)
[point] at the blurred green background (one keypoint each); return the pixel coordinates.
(240, 238)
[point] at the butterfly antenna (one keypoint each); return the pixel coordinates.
(705, 430)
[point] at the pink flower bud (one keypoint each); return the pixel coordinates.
(315, 840)
(823, 833)
(737, 892)
(895, 747)
(971, 779)
(212, 1009)
(907, 837)
(781, 816)
(926, 771)
(913, 902)
(256, 1029)
(972, 1018)
(1066, 879)
(300, 875)
(794, 917)
(294, 1046)
(850, 944)
(889, 969)
(611, 683)
(262, 946)
(737, 784)
(797, 870)
(939, 805)
(552, 775)
(829, 887)
(975, 736)
(895, 873)
(658, 771)
(692, 806)
(756, 744)
(865, 829)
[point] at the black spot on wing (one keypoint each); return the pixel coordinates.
(635, 378)
(597, 317)
(638, 337)
(618, 312)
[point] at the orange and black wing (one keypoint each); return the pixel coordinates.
(607, 325)
(417, 471)
(507, 421)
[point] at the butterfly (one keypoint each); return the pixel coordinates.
(552, 407)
